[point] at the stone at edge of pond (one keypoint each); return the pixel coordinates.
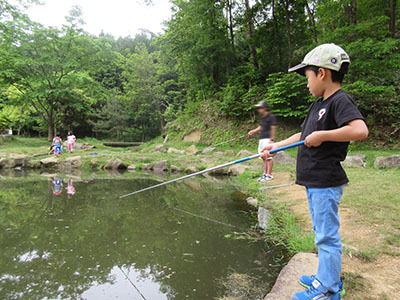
(147, 167)
(191, 150)
(174, 150)
(263, 216)
(49, 162)
(219, 172)
(354, 161)
(208, 150)
(132, 168)
(191, 170)
(94, 163)
(244, 153)
(174, 168)
(284, 159)
(387, 162)
(237, 170)
(159, 148)
(229, 153)
(287, 283)
(116, 164)
(251, 201)
(161, 166)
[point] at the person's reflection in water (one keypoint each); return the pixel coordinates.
(57, 185)
(70, 188)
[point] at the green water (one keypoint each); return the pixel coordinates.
(79, 241)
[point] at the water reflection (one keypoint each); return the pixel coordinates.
(99, 247)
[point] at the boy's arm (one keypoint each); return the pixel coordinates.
(254, 131)
(293, 139)
(354, 130)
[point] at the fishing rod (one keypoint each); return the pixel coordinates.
(213, 168)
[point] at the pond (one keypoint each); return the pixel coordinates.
(65, 237)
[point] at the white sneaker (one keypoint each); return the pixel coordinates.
(262, 178)
(267, 178)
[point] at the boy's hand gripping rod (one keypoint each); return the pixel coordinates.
(213, 169)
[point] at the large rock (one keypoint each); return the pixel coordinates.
(83, 146)
(161, 166)
(229, 153)
(237, 170)
(251, 201)
(159, 148)
(191, 150)
(174, 150)
(219, 172)
(244, 153)
(49, 162)
(387, 162)
(74, 161)
(3, 162)
(287, 283)
(147, 167)
(208, 150)
(131, 167)
(263, 216)
(194, 136)
(354, 161)
(190, 170)
(175, 169)
(219, 153)
(116, 164)
(284, 159)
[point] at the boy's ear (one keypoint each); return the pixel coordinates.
(323, 73)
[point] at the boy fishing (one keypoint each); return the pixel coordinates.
(333, 120)
(57, 143)
(267, 129)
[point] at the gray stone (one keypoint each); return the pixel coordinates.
(284, 159)
(354, 161)
(208, 150)
(190, 170)
(3, 162)
(287, 283)
(161, 166)
(191, 150)
(94, 163)
(251, 201)
(244, 153)
(219, 153)
(142, 158)
(387, 162)
(175, 169)
(229, 153)
(263, 216)
(219, 172)
(83, 146)
(174, 150)
(49, 162)
(131, 167)
(237, 170)
(147, 167)
(74, 161)
(159, 148)
(116, 164)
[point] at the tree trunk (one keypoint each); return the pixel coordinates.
(392, 4)
(230, 22)
(288, 32)
(351, 11)
(250, 23)
(50, 130)
(310, 14)
(276, 33)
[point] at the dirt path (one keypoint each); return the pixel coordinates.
(375, 280)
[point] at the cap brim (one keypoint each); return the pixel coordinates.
(298, 69)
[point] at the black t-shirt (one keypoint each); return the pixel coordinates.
(320, 167)
(266, 123)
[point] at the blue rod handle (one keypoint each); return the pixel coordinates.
(287, 147)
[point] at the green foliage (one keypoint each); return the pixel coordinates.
(288, 95)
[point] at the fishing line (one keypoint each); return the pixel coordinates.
(136, 288)
(205, 218)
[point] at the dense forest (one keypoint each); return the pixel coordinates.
(232, 53)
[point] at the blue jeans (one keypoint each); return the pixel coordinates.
(323, 204)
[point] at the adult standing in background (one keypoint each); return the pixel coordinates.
(267, 130)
